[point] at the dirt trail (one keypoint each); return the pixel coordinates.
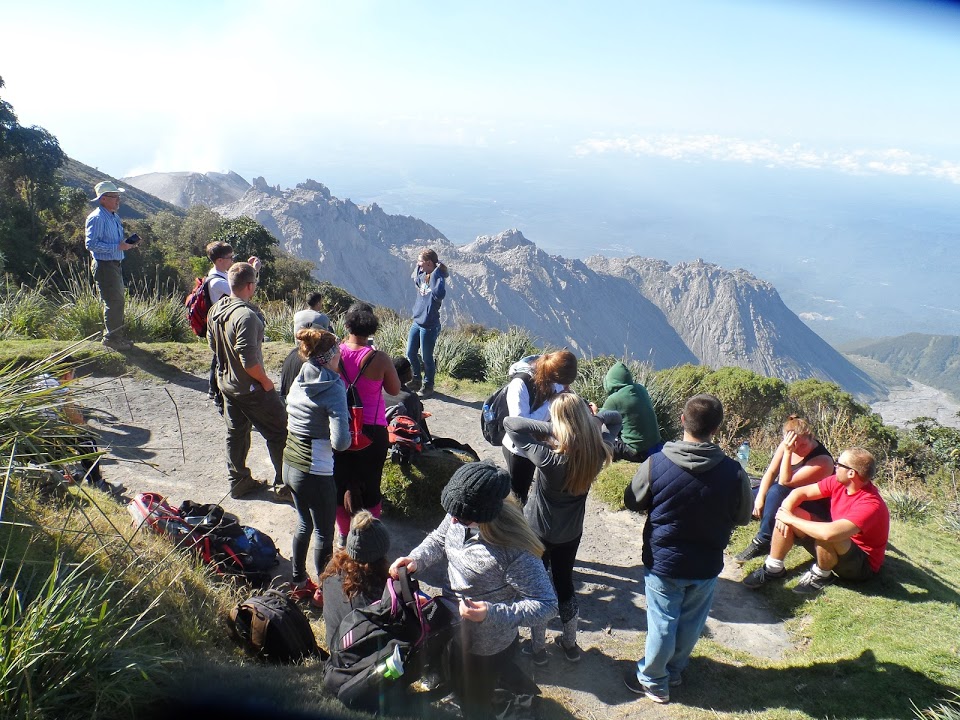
(168, 438)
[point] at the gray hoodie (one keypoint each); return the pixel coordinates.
(317, 411)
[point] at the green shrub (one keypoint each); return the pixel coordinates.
(611, 482)
(907, 506)
(949, 709)
(279, 325)
(504, 349)
(460, 356)
(414, 490)
(24, 313)
(391, 336)
(157, 318)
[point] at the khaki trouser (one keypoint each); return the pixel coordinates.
(109, 278)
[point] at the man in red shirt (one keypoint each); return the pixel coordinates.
(850, 544)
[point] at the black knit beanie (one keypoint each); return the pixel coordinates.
(475, 493)
(368, 544)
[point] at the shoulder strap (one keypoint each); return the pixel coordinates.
(363, 366)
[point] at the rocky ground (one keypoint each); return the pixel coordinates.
(168, 438)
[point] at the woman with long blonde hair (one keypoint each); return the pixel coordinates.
(493, 566)
(568, 453)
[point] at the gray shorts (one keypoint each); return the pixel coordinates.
(852, 565)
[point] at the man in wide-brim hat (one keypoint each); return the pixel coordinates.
(105, 241)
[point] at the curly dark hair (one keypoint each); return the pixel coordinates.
(360, 320)
(366, 579)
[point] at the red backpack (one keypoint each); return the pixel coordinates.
(198, 305)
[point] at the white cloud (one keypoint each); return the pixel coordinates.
(814, 317)
(694, 148)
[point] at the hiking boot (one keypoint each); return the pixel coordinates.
(427, 391)
(633, 683)
(283, 493)
(245, 486)
(812, 584)
(317, 600)
(677, 681)
(116, 344)
(303, 590)
(572, 654)
(759, 576)
(416, 383)
(540, 657)
(755, 549)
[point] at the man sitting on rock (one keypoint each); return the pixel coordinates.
(850, 544)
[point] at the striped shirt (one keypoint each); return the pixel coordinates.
(104, 233)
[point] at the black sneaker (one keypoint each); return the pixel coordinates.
(540, 657)
(812, 584)
(759, 576)
(416, 383)
(755, 549)
(427, 391)
(570, 653)
(245, 486)
(634, 685)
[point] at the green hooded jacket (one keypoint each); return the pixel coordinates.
(640, 428)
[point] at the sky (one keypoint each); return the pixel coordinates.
(285, 89)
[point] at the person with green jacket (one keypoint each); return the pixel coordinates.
(640, 436)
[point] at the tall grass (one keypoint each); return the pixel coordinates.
(504, 349)
(460, 355)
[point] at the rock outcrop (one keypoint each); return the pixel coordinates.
(185, 189)
(691, 312)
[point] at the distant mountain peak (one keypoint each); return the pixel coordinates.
(185, 189)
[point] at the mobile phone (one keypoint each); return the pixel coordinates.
(133, 239)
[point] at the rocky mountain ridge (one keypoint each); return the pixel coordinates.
(185, 189)
(693, 312)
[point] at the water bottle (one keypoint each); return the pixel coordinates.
(488, 413)
(743, 454)
(392, 667)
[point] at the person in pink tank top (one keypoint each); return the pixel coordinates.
(357, 473)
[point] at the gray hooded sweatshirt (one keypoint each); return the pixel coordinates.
(317, 419)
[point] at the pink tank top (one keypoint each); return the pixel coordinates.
(371, 395)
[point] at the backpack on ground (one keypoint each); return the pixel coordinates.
(379, 650)
(198, 305)
(272, 627)
(216, 537)
(495, 407)
(404, 435)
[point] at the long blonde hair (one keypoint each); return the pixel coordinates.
(577, 437)
(509, 529)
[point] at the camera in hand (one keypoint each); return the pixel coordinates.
(133, 239)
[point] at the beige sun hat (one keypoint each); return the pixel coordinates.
(106, 187)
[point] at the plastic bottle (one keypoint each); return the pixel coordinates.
(743, 454)
(392, 667)
(488, 414)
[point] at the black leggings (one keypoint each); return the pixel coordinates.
(559, 559)
(521, 474)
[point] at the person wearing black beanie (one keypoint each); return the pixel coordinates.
(356, 574)
(493, 566)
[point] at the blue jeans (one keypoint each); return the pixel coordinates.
(315, 499)
(422, 341)
(771, 503)
(676, 613)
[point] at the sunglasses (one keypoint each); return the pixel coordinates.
(846, 467)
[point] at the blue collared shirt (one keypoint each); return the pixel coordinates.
(104, 233)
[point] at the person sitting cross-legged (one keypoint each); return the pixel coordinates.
(850, 544)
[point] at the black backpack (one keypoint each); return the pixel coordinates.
(495, 409)
(271, 626)
(380, 649)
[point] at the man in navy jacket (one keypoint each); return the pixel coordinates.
(693, 495)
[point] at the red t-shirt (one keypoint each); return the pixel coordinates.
(865, 509)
